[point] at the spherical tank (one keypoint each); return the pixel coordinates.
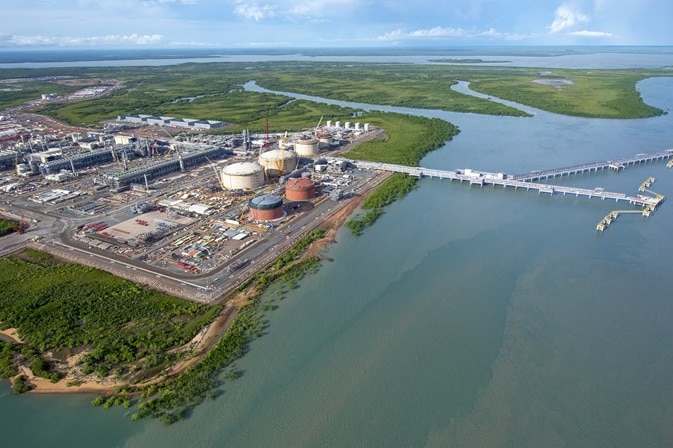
(277, 162)
(242, 176)
(266, 207)
(306, 147)
(301, 189)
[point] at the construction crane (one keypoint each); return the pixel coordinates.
(283, 140)
(315, 131)
(217, 175)
(266, 134)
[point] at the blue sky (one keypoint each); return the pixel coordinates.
(331, 23)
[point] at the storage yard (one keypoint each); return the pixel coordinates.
(195, 214)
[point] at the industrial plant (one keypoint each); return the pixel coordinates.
(189, 212)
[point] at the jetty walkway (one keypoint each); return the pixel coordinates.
(530, 181)
(593, 167)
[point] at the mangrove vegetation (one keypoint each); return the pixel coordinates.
(392, 189)
(173, 399)
(214, 91)
(118, 329)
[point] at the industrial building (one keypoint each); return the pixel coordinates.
(8, 159)
(78, 161)
(266, 207)
(183, 207)
(187, 123)
(122, 179)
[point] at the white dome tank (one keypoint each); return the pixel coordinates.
(277, 162)
(243, 176)
(306, 147)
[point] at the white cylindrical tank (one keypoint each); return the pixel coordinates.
(329, 123)
(306, 147)
(243, 176)
(277, 162)
(338, 124)
(357, 126)
(366, 127)
(347, 125)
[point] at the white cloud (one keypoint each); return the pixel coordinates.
(74, 41)
(254, 11)
(304, 8)
(587, 33)
(492, 33)
(314, 11)
(566, 17)
(137, 3)
(439, 32)
(423, 33)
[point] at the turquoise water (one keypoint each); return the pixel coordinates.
(467, 317)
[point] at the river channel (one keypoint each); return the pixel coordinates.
(466, 316)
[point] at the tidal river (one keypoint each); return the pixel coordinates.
(466, 317)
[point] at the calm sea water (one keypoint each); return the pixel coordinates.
(467, 317)
(547, 57)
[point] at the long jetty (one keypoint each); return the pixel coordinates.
(528, 182)
(594, 167)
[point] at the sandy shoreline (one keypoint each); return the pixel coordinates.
(44, 386)
(12, 334)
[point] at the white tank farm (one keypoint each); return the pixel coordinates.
(306, 147)
(277, 163)
(243, 176)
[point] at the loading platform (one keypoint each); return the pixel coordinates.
(613, 215)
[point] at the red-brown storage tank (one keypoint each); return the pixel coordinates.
(301, 189)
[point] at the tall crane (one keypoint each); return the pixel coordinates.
(217, 175)
(315, 131)
(266, 133)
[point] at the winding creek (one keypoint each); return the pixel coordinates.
(465, 317)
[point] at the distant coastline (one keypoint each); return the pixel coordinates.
(524, 56)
